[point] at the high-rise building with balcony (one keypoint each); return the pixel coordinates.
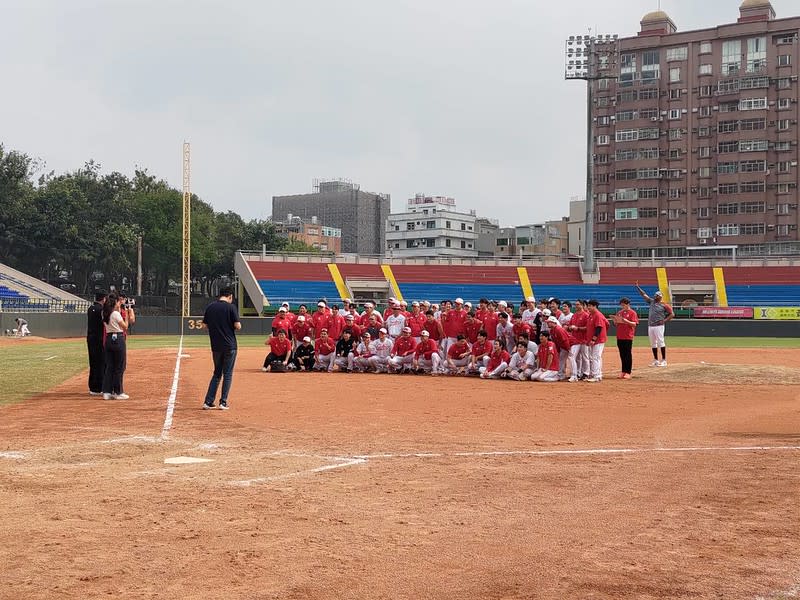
(696, 139)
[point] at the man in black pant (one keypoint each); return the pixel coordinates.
(94, 342)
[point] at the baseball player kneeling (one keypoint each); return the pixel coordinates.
(548, 360)
(522, 363)
(498, 361)
(402, 356)
(381, 350)
(459, 356)
(426, 355)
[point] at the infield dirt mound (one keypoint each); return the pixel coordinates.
(720, 374)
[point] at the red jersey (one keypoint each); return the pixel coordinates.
(324, 347)
(580, 319)
(364, 321)
(490, 321)
(495, 358)
(301, 330)
(456, 350)
(453, 323)
(403, 346)
(598, 319)
(335, 326)
(471, 330)
(545, 350)
(357, 331)
(321, 320)
(434, 328)
(480, 314)
(481, 348)
(520, 328)
(625, 331)
(425, 349)
(387, 312)
(560, 337)
(291, 316)
(281, 322)
(279, 347)
(416, 323)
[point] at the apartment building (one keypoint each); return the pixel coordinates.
(696, 139)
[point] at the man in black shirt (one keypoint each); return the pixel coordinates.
(94, 342)
(222, 321)
(303, 358)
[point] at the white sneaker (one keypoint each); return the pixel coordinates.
(655, 363)
(592, 380)
(122, 396)
(663, 363)
(264, 369)
(573, 379)
(106, 396)
(95, 393)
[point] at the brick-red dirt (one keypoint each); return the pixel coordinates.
(89, 509)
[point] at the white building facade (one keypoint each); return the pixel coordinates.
(431, 226)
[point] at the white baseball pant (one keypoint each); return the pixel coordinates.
(485, 373)
(430, 365)
(656, 335)
(596, 360)
(542, 375)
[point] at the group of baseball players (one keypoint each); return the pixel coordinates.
(543, 341)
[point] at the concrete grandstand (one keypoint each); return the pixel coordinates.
(20, 292)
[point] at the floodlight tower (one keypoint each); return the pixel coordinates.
(186, 277)
(590, 58)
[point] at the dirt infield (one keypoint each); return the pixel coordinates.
(680, 483)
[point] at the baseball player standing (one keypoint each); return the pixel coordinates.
(626, 321)
(659, 314)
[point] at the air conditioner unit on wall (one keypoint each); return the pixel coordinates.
(703, 242)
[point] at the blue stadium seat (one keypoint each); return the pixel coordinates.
(298, 291)
(763, 295)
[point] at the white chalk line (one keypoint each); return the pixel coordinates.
(173, 392)
(51, 357)
(342, 462)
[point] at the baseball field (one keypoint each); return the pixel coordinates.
(682, 482)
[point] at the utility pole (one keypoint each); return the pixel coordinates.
(139, 266)
(590, 58)
(186, 278)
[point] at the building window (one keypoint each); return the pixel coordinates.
(703, 131)
(463, 244)
(673, 213)
(752, 83)
(704, 151)
(756, 54)
(784, 103)
(674, 234)
(753, 166)
(677, 53)
(727, 126)
(603, 140)
(752, 187)
(783, 124)
(706, 69)
(783, 188)
(674, 113)
(626, 194)
(651, 173)
(752, 103)
(624, 214)
(602, 197)
(731, 56)
(785, 38)
(502, 242)
(725, 189)
(782, 146)
(705, 47)
(447, 242)
(705, 111)
(727, 230)
(397, 246)
(784, 60)
(648, 213)
(674, 194)
(645, 193)
(463, 227)
(704, 192)
(784, 83)
(603, 121)
(783, 209)
(783, 230)
(625, 174)
(753, 146)
(753, 124)
(784, 166)
(703, 233)
(706, 91)
(704, 171)
(397, 227)
(651, 133)
(752, 229)
(727, 147)
(603, 84)
(627, 135)
(648, 113)
(726, 168)
(675, 134)
(626, 115)
(410, 226)
(674, 74)
(752, 208)
(674, 153)
(731, 106)
(675, 94)
(447, 224)
(431, 224)
(703, 212)
(648, 232)
(602, 217)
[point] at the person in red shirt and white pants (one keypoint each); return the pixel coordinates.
(626, 321)
(597, 329)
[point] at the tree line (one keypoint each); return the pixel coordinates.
(88, 224)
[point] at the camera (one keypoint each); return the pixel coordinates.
(129, 303)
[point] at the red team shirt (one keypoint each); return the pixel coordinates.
(456, 350)
(434, 328)
(279, 347)
(560, 337)
(495, 358)
(301, 330)
(479, 349)
(579, 320)
(490, 321)
(425, 349)
(453, 323)
(625, 331)
(545, 350)
(471, 330)
(403, 346)
(598, 319)
(324, 348)
(416, 323)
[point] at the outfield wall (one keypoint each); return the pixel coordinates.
(56, 325)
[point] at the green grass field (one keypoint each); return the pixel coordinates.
(27, 369)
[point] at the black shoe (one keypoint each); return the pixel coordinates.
(223, 406)
(207, 406)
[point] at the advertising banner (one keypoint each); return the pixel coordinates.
(777, 313)
(722, 312)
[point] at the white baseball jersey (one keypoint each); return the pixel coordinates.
(565, 319)
(394, 325)
(364, 349)
(382, 348)
(520, 363)
(529, 316)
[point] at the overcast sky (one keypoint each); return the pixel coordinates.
(463, 98)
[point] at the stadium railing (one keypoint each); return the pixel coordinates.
(43, 305)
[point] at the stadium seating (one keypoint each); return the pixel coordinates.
(308, 281)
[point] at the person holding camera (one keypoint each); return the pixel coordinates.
(115, 354)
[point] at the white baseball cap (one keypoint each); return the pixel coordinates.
(369, 305)
(468, 304)
(406, 329)
(300, 318)
(459, 301)
(530, 299)
(320, 303)
(306, 339)
(403, 303)
(347, 300)
(546, 312)
(424, 332)
(348, 316)
(502, 303)
(383, 330)
(282, 309)
(415, 303)
(553, 320)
